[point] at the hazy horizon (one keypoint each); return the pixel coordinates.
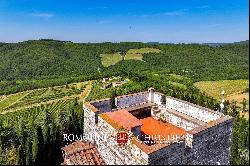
(130, 41)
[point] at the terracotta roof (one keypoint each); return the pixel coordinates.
(124, 119)
(165, 131)
(81, 153)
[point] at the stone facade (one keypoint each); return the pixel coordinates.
(207, 140)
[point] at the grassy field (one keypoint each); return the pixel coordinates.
(24, 99)
(110, 59)
(231, 87)
(129, 56)
(235, 90)
(135, 54)
(176, 84)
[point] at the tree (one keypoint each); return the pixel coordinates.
(21, 160)
(235, 113)
(234, 146)
(28, 151)
(35, 149)
(113, 98)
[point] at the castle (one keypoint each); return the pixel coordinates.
(202, 136)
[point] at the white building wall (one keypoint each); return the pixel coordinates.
(190, 110)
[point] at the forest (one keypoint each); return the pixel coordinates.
(42, 63)
(33, 135)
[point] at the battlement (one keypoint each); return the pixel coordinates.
(151, 113)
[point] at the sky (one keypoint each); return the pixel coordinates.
(174, 21)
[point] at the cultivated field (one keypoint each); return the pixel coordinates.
(110, 59)
(235, 90)
(37, 96)
(231, 87)
(135, 54)
(8, 100)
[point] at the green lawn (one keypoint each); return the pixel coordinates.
(110, 59)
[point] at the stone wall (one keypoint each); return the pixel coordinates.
(112, 153)
(211, 146)
(134, 99)
(155, 97)
(89, 121)
(176, 120)
(191, 110)
(170, 155)
(103, 105)
(207, 146)
(106, 144)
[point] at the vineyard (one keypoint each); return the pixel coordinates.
(33, 114)
(40, 127)
(36, 97)
(214, 88)
(236, 91)
(38, 104)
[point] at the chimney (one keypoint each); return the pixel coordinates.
(116, 101)
(151, 95)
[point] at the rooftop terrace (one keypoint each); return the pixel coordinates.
(145, 110)
(160, 131)
(124, 118)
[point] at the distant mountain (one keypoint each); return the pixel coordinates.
(242, 42)
(222, 44)
(1, 43)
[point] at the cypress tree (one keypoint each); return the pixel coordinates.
(21, 160)
(40, 152)
(114, 95)
(35, 149)
(28, 151)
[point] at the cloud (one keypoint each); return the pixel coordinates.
(174, 13)
(170, 13)
(104, 22)
(202, 7)
(98, 7)
(43, 15)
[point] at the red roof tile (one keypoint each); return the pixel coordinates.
(165, 130)
(81, 153)
(124, 118)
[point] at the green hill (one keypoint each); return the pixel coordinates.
(42, 63)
